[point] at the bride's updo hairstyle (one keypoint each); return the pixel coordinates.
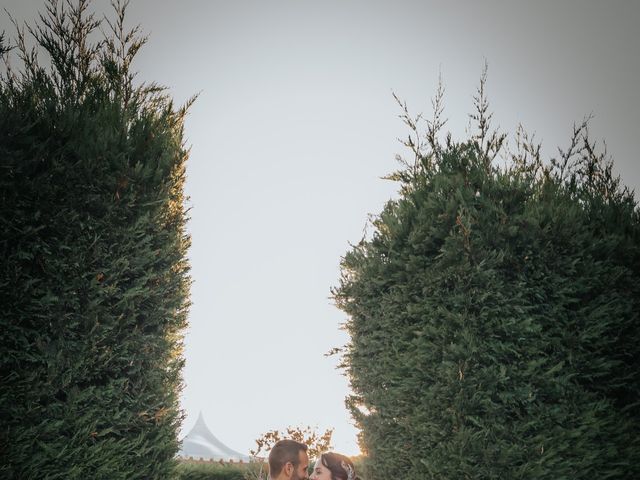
(341, 467)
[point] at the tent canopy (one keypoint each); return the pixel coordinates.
(200, 443)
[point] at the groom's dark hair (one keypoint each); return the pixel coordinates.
(282, 452)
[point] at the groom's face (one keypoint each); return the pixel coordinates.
(300, 472)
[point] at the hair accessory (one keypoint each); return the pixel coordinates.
(351, 475)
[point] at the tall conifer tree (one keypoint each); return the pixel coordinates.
(494, 314)
(94, 276)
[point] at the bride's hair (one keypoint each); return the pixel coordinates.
(341, 467)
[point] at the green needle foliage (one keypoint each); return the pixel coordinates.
(94, 282)
(494, 314)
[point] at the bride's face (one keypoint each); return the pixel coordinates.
(320, 472)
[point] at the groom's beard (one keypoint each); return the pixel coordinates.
(296, 477)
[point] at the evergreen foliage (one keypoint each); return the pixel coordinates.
(493, 313)
(212, 471)
(94, 276)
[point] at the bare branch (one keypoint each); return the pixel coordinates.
(436, 123)
(489, 142)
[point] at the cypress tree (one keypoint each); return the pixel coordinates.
(493, 314)
(94, 277)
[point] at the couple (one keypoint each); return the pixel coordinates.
(288, 460)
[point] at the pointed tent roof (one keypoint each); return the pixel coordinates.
(201, 443)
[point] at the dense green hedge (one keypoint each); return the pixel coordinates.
(188, 470)
(494, 318)
(211, 471)
(93, 279)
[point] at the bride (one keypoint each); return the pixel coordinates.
(333, 466)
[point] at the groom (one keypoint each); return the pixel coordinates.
(288, 460)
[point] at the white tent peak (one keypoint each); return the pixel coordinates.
(200, 443)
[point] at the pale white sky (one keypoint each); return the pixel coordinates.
(295, 125)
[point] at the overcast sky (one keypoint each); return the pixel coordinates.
(293, 128)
